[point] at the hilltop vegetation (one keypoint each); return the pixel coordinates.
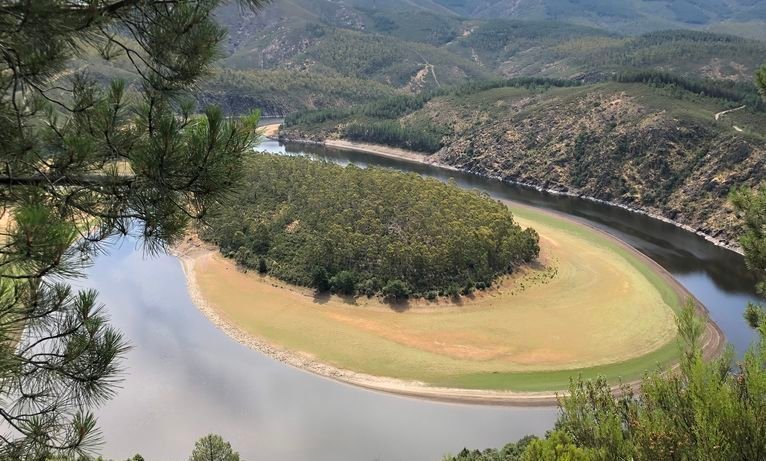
(378, 122)
(514, 48)
(367, 231)
(650, 142)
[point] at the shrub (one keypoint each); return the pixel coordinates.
(344, 282)
(396, 290)
(320, 280)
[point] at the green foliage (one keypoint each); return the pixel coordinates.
(376, 122)
(344, 282)
(277, 92)
(389, 108)
(560, 446)
(420, 138)
(396, 290)
(385, 59)
(751, 204)
(510, 452)
(367, 231)
(320, 279)
(213, 447)
(755, 315)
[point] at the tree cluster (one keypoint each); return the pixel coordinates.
(367, 231)
(420, 137)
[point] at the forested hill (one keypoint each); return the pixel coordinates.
(300, 54)
(417, 47)
(650, 141)
(631, 16)
(367, 231)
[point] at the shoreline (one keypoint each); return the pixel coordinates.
(194, 251)
(414, 157)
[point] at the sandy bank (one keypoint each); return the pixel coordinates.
(192, 253)
(270, 130)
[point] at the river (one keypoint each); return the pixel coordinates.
(185, 378)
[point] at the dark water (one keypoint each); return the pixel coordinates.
(186, 379)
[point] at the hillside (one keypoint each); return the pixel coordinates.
(523, 48)
(298, 55)
(626, 16)
(657, 148)
(406, 45)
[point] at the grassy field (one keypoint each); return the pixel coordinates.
(591, 306)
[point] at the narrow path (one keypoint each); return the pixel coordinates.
(430, 67)
(724, 112)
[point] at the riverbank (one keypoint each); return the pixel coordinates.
(414, 157)
(245, 306)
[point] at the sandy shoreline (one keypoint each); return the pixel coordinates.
(194, 252)
(189, 258)
(414, 157)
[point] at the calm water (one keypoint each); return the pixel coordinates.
(186, 379)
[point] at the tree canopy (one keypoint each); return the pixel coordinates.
(82, 162)
(213, 447)
(367, 231)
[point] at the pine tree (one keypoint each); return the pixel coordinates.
(81, 162)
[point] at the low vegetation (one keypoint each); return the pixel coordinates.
(367, 231)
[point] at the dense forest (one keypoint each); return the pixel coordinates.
(367, 231)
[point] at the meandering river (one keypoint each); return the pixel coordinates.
(185, 378)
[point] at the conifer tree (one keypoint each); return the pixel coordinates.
(83, 162)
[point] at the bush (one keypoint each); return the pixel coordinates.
(369, 287)
(320, 280)
(396, 290)
(262, 267)
(344, 282)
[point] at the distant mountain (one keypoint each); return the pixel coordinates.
(306, 54)
(421, 44)
(745, 17)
